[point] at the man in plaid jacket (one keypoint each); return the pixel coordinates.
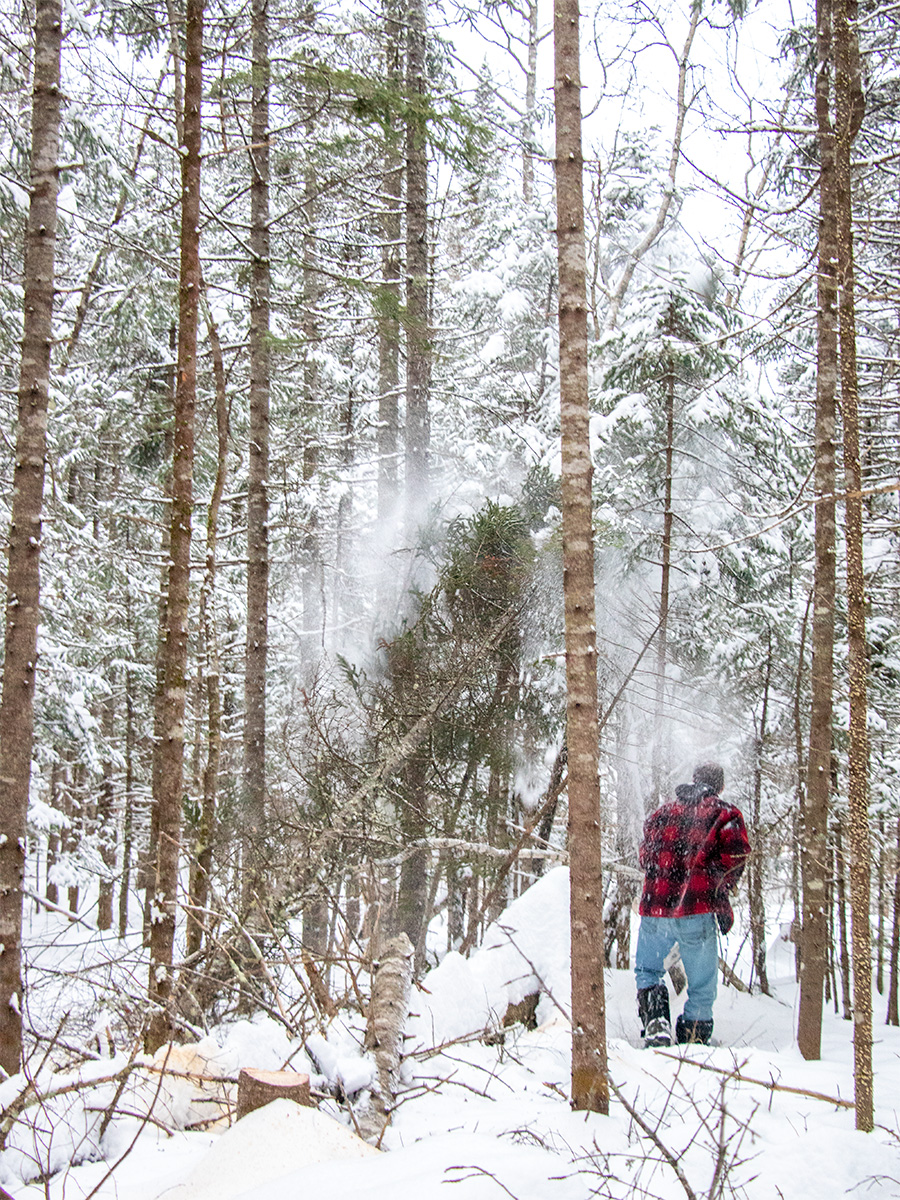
(693, 853)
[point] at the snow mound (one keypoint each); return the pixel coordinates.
(480, 1167)
(273, 1141)
(526, 950)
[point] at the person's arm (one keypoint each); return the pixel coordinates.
(734, 848)
(649, 845)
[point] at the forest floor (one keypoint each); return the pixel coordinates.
(744, 1117)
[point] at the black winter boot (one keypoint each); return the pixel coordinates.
(687, 1031)
(653, 1008)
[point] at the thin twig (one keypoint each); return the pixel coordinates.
(670, 1158)
(775, 1087)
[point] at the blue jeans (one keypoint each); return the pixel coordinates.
(697, 940)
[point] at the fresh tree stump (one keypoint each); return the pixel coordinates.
(257, 1088)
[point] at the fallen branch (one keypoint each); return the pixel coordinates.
(58, 908)
(731, 978)
(766, 1083)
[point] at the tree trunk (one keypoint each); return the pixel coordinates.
(850, 105)
(528, 122)
(893, 1006)
(23, 570)
(167, 800)
(314, 616)
(661, 756)
(881, 901)
(412, 888)
(106, 826)
(201, 856)
(388, 1014)
(840, 888)
(755, 871)
(814, 827)
(75, 827)
(147, 874)
(391, 267)
(128, 800)
(590, 1084)
(418, 343)
(53, 838)
(258, 479)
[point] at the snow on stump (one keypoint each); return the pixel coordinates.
(257, 1088)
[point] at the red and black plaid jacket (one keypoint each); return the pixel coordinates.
(693, 853)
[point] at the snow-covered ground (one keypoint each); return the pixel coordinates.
(482, 1121)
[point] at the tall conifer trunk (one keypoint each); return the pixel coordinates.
(590, 1084)
(755, 868)
(814, 822)
(893, 1004)
(414, 815)
(661, 742)
(168, 795)
(849, 104)
(201, 854)
(418, 344)
(391, 266)
(23, 563)
(257, 499)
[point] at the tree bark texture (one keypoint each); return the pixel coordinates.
(201, 856)
(147, 872)
(590, 1085)
(106, 826)
(814, 824)
(528, 121)
(662, 753)
(839, 902)
(25, 532)
(893, 1004)
(168, 799)
(418, 341)
(755, 867)
(849, 106)
(258, 477)
(128, 798)
(391, 268)
(388, 1013)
